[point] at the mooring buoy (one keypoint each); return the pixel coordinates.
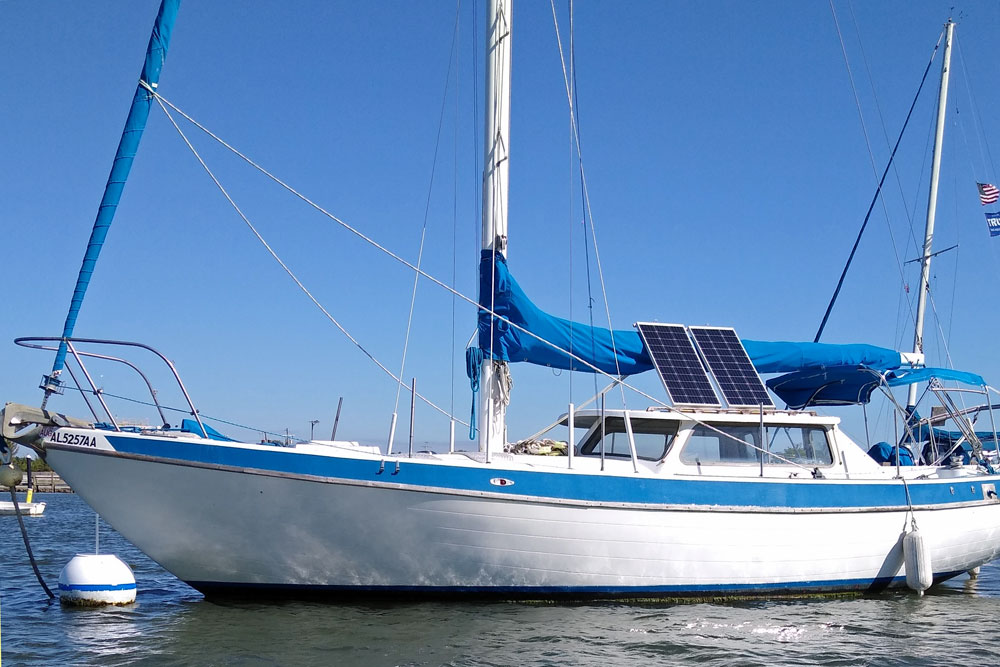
(92, 580)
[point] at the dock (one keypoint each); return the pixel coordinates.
(46, 481)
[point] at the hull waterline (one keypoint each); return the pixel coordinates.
(242, 531)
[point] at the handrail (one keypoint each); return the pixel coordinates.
(33, 343)
(83, 394)
(97, 392)
(152, 392)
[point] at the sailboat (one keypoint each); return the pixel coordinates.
(717, 492)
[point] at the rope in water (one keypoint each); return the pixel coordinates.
(27, 542)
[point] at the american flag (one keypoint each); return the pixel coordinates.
(988, 193)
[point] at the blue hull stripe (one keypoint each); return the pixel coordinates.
(792, 493)
(96, 587)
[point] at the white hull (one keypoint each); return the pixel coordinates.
(221, 529)
(727, 496)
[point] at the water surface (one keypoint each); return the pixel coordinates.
(172, 624)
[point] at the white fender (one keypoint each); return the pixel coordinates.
(917, 559)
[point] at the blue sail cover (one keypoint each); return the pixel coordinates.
(621, 351)
(156, 53)
(849, 385)
(785, 357)
(839, 385)
(616, 352)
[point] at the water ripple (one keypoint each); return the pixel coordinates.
(172, 625)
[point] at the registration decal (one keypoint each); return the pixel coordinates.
(75, 439)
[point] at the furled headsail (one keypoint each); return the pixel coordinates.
(156, 54)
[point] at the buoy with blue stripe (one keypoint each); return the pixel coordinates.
(92, 580)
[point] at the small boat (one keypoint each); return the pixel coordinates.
(716, 492)
(25, 508)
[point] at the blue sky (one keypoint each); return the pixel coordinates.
(726, 162)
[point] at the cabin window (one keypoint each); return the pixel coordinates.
(653, 438)
(805, 445)
(734, 444)
(722, 443)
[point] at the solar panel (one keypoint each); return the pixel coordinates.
(678, 364)
(729, 363)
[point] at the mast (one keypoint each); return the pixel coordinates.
(494, 375)
(135, 123)
(925, 262)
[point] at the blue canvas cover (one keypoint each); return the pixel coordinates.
(842, 385)
(784, 357)
(816, 374)
(907, 376)
(850, 385)
(191, 426)
(614, 352)
(622, 351)
(883, 452)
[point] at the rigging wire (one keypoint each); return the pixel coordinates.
(583, 203)
(903, 299)
(274, 255)
(977, 119)
(572, 215)
(942, 340)
(980, 132)
(878, 190)
(954, 277)
(423, 229)
(477, 154)
(882, 123)
(587, 210)
(917, 246)
(168, 408)
(885, 134)
(617, 380)
(454, 208)
(398, 258)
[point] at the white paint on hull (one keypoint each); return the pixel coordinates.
(230, 527)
